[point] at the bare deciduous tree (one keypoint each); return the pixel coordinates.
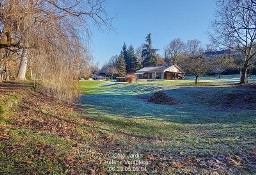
(193, 47)
(173, 50)
(222, 62)
(196, 65)
(193, 61)
(235, 28)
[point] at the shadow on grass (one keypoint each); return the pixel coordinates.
(197, 105)
(112, 84)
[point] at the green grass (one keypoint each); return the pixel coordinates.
(26, 147)
(90, 86)
(118, 112)
(194, 139)
(7, 102)
(130, 121)
(19, 156)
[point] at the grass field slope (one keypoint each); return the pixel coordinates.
(211, 129)
(114, 129)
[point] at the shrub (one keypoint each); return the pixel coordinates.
(131, 78)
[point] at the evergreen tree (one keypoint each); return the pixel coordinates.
(134, 62)
(121, 66)
(126, 58)
(149, 54)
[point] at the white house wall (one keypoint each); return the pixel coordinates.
(162, 75)
(172, 69)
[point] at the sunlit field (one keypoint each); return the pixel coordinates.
(213, 119)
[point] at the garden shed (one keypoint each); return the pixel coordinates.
(161, 72)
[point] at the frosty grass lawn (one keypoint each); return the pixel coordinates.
(197, 123)
(202, 123)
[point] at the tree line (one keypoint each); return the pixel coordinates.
(42, 40)
(190, 56)
(233, 46)
(130, 60)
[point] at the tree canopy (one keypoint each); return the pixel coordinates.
(235, 28)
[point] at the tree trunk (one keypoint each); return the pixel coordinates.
(6, 76)
(23, 66)
(196, 80)
(243, 75)
(7, 73)
(1, 73)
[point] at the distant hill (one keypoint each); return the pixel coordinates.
(219, 52)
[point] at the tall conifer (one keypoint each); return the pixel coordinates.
(126, 59)
(149, 54)
(134, 62)
(121, 66)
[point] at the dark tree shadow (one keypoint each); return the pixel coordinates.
(196, 105)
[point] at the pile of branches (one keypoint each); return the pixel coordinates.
(162, 98)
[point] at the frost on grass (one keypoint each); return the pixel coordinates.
(234, 98)
(209, 131)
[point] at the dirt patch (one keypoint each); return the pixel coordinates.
(162, 98)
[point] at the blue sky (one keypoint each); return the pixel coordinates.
(164, 19)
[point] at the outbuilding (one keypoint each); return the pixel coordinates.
(161, 72)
